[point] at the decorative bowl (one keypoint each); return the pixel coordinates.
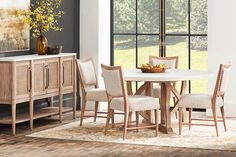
(152, 70)
(54, 50)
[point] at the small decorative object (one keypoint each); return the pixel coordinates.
(147, 68)
(41, 45)
(42, 17)
(54, 50)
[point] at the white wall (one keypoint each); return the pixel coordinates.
(222, 45)
(95, 34)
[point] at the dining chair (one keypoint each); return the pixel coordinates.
(172, 63)
(207, 101)
(89, 88)
(119, 100)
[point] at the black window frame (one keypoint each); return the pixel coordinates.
(162, 33)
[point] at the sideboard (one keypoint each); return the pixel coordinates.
(32, 77)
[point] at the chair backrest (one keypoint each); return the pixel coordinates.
(222, 81)
(172, 62)
(87, 73)
(114, 81)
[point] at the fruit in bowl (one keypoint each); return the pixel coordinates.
(148, 68)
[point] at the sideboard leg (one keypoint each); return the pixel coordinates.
(74, 88)
(31, 110)
(13, 114)
(60, 107)
(74, 105)
(60, 89)
(51, 101)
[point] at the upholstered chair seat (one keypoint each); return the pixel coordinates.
(199, 101)
(136, 103)
(96, 94)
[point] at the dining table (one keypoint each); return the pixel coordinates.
(167, 81)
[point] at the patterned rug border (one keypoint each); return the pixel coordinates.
(53, 133)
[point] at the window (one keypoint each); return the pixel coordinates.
(138, 27)
(135, 32)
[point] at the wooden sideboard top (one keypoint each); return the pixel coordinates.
(33, 57)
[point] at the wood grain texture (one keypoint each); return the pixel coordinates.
(22, 80)
(67, 70)
(53, 75)
(39, 77)
(6, 82)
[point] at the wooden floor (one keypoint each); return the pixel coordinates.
(22, 146)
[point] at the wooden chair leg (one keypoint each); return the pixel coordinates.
(108, 120)
(82, 111)
(137, 119)
(126, 119)
(113, 118)
(96, 110)
(176, 114)
(215, 121)
(130, 117)
(223, 116)
(190, 118)
(180, 120)
(156, 120)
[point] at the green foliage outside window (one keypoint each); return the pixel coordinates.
(148, 18)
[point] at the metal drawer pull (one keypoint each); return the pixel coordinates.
(63, 73)
(29, 79)
(47, 77)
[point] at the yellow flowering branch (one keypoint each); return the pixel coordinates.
(43, 16)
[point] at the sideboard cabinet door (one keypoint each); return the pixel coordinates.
(23, 80)
(39, 74)
(67, 73)
(52, 75)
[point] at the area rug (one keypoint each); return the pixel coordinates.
(198, 137)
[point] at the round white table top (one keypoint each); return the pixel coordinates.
(169, 75)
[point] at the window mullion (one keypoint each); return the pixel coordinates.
(189, 40)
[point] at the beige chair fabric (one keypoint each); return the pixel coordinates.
(171, 63)
(96, 94)
(113, 82)
(88, 72)
(225, 80)
(136, 103)
(199, 101)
